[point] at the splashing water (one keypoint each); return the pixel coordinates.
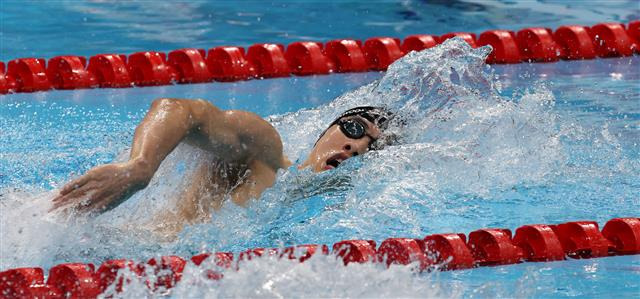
(271, 277)
(463, 145)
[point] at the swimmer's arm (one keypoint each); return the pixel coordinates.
(236, 136)
(166, 123)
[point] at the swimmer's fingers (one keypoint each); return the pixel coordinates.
(73, 193)
(75, 196)
(102, 195)
(68, 200)
(98, 205)
(74, 185)
(95, 199)
(63, 200)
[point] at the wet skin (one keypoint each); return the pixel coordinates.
(249, 146)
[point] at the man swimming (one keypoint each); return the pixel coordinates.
(249, 152)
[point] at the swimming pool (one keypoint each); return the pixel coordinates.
(577, 160)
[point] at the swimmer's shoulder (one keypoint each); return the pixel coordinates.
(254, 133)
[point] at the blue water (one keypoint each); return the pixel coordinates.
(559, 144)
(50, 28)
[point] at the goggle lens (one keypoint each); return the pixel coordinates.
(355, 129)
(352, 128)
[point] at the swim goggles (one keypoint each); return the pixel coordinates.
(354, 128)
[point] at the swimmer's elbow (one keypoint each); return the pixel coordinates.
(195, 111)
(167, 103)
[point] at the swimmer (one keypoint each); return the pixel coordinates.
(249, 152)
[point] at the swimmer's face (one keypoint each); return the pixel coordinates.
(334, 147)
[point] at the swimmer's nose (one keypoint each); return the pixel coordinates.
(348, 149)
(351, 150)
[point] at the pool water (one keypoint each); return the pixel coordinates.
(497, 146)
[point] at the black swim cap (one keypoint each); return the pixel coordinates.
(376, 115)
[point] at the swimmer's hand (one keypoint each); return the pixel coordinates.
(101, 188)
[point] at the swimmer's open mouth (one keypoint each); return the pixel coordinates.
(335, 161)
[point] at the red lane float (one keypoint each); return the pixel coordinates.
(574, 42)
(403, 251)
(25, 283)
(150, 68)
(29, 74)
(307, 58)
(537, 45)
(611, 40)
(190, 65)
(18, 283)
(634, 32)
(419, 42)
(229, 63)
(449, 251)
(505, 47)
(76, 280)
(221, 259)
(257, 252)
(268, 60)
(7, 83)
(346, 55)
(582, 239)
(358, 251)
(539, 243)
(168, 270)
(468, 37)
(304, 252)
(110, 70)
(494, 247)
(624, 233)
(69, 72)
(107, 273)
(46, 291)
(380, 52)
(485, 247)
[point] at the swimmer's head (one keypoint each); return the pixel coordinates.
(353, 133)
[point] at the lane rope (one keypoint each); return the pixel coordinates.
(302, 58)
(451, 251)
